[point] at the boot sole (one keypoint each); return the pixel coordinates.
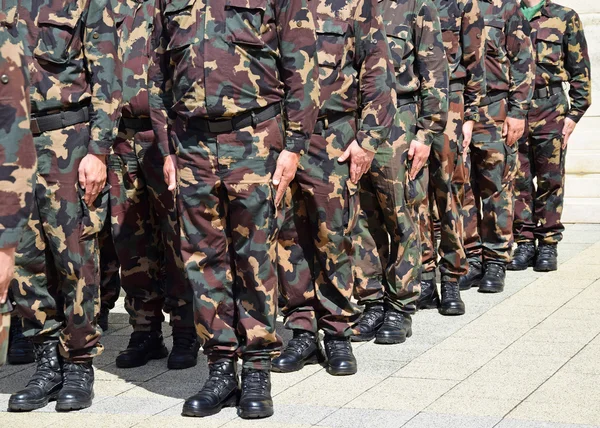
(70, 405)
(393, 340)
(486, 290)
(254, 413)
(28, 406)
(452, 312)
(195, 413)
(545, 268)
(290, 369)
(468, 286)
(341, 372)
(362, 337)
(17, 361)
(155, 355)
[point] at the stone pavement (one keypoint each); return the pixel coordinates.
(529, 357)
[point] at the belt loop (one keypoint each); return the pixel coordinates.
(326, 122)
(62, 118)
(253, 119)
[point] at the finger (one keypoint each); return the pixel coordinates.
(82, 177)
(505, 129)
(281, 190)
(344, 156)
(411, 152)
(565, 141)
(278, 174)
(3, 295)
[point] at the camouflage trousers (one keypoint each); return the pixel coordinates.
(5, 310)
(57, 283)
(110, 278)
(443, 163)
(145, 230)
(386, 237)
(315, 244)
(488, 205)
(229, 227)
(538, 207)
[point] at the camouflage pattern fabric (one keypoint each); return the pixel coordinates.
(488, 204)
(462, 30)
(56, 284)
(354, 64)
(110, 278)
(561, 56)
(218, 60)
(143, 212)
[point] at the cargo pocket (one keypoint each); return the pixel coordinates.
(549, 50)
(59, 36)
(331, 41)
(415, 191)
(510, 163)
(182, 24)
(276, 213)
(352, 207)
(94, 217)
(401, 47)
(495, 42)
(244, 21)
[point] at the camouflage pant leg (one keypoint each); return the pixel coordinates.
(57, 281)
(229, 227)
(538, 206)
(178, 291)
(442, 164)
(470, 210)
(331, 201)
(135, 235)
(110, 278)
(398, 274)
(494, 168)
(5, 310)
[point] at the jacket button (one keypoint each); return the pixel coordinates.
(96, 35)
(4, 79)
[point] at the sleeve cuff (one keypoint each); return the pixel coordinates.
(367, 142)
(517, 113)
(9, 238)
(472, 113)
(297, 145)
(575, 117)
(425, 137)
(100, 148)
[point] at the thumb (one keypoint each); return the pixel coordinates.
(505, 129)
(82, 177)
(277, 176)
(411, 152)
(344, 156)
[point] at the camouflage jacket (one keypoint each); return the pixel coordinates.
(134, 27)
(509, 55)
(217, 58)
(464, 40)
(562, 54)
(75, 62)
(417, 47)
(17, 152)
(355, 66)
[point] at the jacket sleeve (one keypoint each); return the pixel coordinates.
(522, 64)
(577, 64)
(472, 39)
(104, 66)
(299, 71)
(434, 74)
(376, 77)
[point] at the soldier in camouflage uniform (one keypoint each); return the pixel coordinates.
(75, 96)
(145, 226)
(561, 56)
(234, 103)
(315, 257)
(17, 156)
(462, 30)
(489, 200)
(388, 259)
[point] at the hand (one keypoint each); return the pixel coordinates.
(170, 172)
(287, 165)
(418, 154)
(568, 129)
(512, 130)
(92, 176)
(7, 270)
(360, 160)
(467, 131)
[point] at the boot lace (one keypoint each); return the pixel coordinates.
(255, 382)
(370, 317)
(451, 291)
(299, 344)
(218, 379)
(547, 250)
(393, 319)
(44, 372)
(77, 376)
(138, 339)
(524, 249)
(338, 346)
(494, 270)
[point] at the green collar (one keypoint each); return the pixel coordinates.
(530, 12)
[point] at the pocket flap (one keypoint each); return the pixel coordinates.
(178, 5)
(68, 17)
(397, 31)
(8, 12)
(332, 26)
(551, 35)
(494, 22)
(247, 4)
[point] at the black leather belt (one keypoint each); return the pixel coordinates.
(325, 122)
(548, 91)
(251, 118)
(53, 121)
(405, 99)
(136, 123)
(457, 86)
(493, 97)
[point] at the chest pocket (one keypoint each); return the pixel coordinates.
(549, 46)
(182, 24)
(401, 45)
(60, 34)
(451, 36)
(494, 38)
(244, 21)
(331, 41)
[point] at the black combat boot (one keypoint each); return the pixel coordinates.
(396, 327)
(20, 348)
(493, 279)
(369, 322)
(429, 298)
(103, 318)
(220, 390)
(78, 388)
(143, 347)
(523, 257)
(45, 383)
(301, 350)
(546, 258)
(185, 348)
(451, 304)
(340, 359)
(473, 276)
(255, 401)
